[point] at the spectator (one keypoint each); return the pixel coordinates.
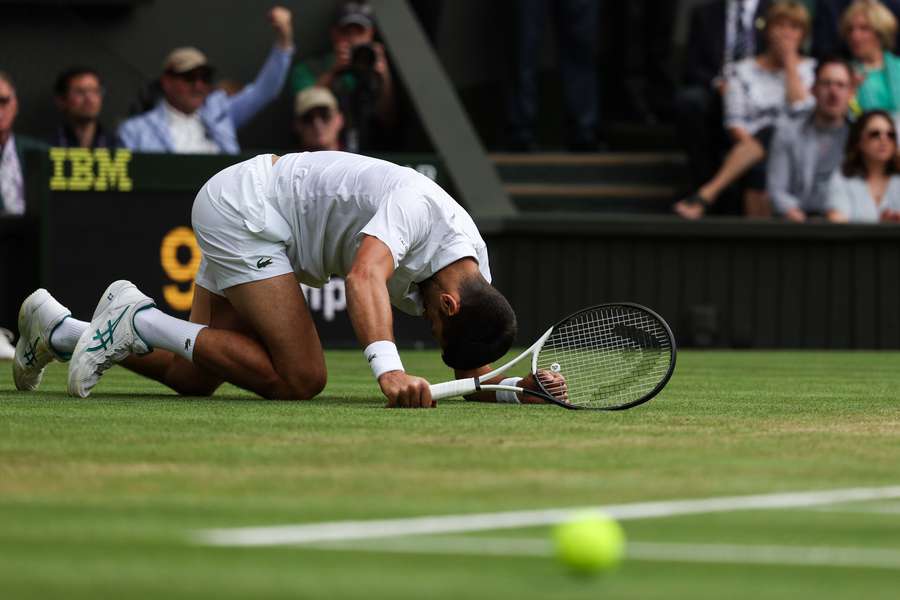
(805, 151)
(826, 37)
(870, 29)
(575, 22)
(12, 151)
(191, 118)
(760, 91)
(317, 120)
(866, 188)
(358, 73)
(79, 98)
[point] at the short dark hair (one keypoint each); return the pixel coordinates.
(64, 79)
(483, 329)
(833, 60)
(4, 76)
(853, 165)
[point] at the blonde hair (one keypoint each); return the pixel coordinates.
(882, 20)
(793, 11)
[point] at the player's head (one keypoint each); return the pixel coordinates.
(475, 326)
(9, 106)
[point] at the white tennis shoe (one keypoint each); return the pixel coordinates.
(110, 338)
(39, 316)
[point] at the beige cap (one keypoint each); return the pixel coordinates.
(313, 97)
(182, 60)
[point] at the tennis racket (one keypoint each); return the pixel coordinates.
(606, 357)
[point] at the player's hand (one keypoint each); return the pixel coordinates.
(282, 22)
(553, 382)
(405, 391)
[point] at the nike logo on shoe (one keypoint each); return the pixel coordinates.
(263, 262)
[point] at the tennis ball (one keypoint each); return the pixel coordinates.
(590, 543)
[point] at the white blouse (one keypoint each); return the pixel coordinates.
(755, 97)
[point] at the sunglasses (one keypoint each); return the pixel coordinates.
(879, 133)
(322, 113)
(4, 100)
(201, 74)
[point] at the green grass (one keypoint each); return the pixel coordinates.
(97, 496)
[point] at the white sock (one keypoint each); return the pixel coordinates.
(66, 334)
(162, 331)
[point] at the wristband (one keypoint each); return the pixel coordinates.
(506, 396)
(383, 357)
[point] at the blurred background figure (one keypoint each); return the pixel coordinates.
(358, 74)
(827, 38)
(759, 91)
(12, 151)
(870, 31)
(79, 99)
(317, 120)
(805, 151)
(191, 117)
(866, 189)
(721, 33)
(648, 83)
(575, 22)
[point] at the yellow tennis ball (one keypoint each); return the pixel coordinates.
(590, 543)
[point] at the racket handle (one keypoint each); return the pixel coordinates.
(460, 387)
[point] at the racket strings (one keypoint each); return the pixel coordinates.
(605, 357)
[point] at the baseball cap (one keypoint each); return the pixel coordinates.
(182, 60)
(358, 13)
(313, 97)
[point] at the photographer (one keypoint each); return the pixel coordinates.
(358, 74)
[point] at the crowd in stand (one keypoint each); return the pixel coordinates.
(797, 113)
(344, 100)
(803, 137)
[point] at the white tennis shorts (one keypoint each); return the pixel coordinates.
(242, 237)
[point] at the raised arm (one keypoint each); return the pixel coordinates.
(244, 105)
(369, 306)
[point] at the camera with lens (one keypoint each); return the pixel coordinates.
(362, 58)
(357, 88)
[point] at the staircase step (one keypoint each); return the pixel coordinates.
(591, 197)
(662, 168)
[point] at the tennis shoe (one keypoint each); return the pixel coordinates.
(39, 316)
(7, 350)
(110, 338)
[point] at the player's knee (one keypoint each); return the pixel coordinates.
(198, 388)
(303, 386)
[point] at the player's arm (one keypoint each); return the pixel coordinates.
(369, 306)
(526, 382)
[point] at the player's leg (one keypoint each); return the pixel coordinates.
(175, 371)
(261, 338)
(289, 362)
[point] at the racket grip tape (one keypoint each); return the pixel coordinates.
(460, 387)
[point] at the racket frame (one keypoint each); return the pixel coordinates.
(463, 387)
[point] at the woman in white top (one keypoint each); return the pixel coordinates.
(759, 91)
(866, 189)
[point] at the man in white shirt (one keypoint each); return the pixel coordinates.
(263, 225)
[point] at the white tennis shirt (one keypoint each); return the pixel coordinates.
(329, 200)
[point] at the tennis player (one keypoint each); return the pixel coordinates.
(263, 225)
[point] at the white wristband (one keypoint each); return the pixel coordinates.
(506, 396)
(383, 357)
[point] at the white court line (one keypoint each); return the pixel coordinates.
(812, 556)
(279, 535)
